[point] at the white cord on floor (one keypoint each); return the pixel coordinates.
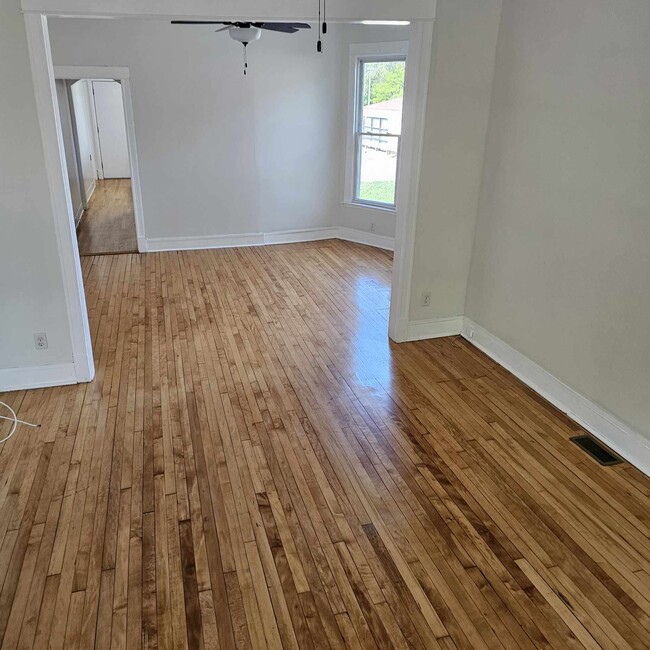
(15, 420)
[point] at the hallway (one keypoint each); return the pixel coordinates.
(108, 226)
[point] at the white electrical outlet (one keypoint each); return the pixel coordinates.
(426, 299)
(40, 341)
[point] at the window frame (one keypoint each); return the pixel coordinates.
(359, 55)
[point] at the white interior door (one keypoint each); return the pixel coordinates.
(111, 129)
(82, 107)
(70, 154)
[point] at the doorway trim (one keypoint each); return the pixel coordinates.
(75, 144)
(40, 56)
(43, 79)
(121, 75)
(416, 93)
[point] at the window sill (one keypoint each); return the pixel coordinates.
(369, 206)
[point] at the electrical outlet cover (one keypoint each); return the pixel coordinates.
(40, 341)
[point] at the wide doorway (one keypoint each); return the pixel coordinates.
(99, 171)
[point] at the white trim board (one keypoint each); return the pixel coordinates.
(291, 10)
(367, 238)
(38, 43)
(37, 377)
(266, 239)
(93, 187)
(623, 439)
(78, 215)
(435, 328)
(295, 236)
(416, 87)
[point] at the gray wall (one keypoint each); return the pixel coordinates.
(31, 287)
(465, 37)
(561, 264)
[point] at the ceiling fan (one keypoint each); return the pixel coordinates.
(247, 32)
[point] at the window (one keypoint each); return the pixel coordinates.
(378, 100)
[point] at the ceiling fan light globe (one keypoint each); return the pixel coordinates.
(245, 34)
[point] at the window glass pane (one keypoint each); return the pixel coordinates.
(377, 168)
(383, 96)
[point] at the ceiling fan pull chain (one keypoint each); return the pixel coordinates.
(324, 16)
(319, 45)
(245, 59)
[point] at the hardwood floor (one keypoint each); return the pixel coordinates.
(108, 226)
(256, 466)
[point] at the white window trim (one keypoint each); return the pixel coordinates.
(357, 53)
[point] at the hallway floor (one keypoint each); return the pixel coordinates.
(108, 226)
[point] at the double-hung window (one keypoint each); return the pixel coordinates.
(378, 101)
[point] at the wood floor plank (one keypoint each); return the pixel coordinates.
(257, 466)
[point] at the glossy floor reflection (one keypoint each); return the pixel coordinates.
(370, 346)
(256, 466)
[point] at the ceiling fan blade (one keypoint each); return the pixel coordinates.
(285, 28)
(281, 30)
(200, 22)
(223, 29)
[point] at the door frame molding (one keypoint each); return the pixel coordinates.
(121, 75)
(75, 144)
(43, 79)
(40, 56)
(416, 93)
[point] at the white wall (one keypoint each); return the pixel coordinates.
(85, 135)
(464, 44)
(221, 153)
(31, 288)
(561, 267)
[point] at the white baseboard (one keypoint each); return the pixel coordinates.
(297, 236)
(623, 439)
(84, 369)
(37, 377)
(89, 194)
(368, 238)
(161, 244)
(78, 214)
(265, 239)
(435, 328)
